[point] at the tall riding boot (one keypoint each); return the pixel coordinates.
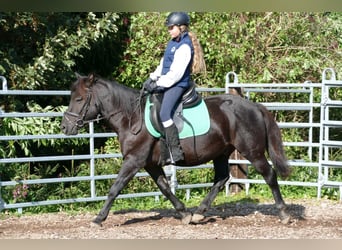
(172, 140)
(165, 158)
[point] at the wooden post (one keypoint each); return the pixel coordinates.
(239, 171)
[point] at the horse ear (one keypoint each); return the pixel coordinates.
(78, 76)
(91, 79)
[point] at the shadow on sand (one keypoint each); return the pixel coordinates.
(243, 207)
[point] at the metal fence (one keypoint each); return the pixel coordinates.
(319, 162)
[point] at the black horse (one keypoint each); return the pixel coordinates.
(235, 123)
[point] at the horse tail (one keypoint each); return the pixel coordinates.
(275, 143)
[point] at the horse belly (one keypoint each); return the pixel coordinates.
(204, 148)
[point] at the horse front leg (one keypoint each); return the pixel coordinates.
(126, 173)
(158, 175)
(221, 177)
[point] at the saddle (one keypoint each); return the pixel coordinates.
(190, 99)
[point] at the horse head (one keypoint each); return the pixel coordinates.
(82, 106)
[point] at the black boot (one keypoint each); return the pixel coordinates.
(165, 157)
(172, 140)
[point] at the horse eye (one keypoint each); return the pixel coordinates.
(78, 99)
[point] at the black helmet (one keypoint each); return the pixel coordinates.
(177, 18)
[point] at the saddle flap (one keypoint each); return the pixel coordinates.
(194, 121)
(156, 99)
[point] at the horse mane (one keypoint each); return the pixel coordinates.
(124, 98)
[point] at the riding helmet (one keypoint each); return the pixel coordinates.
(177, 18)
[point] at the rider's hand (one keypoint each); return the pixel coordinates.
(150, 85)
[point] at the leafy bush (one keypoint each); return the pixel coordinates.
(38, 50)
(34, 126)
(259, 47)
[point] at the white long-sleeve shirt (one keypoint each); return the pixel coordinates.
(180, 62)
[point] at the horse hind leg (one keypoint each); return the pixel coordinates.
(263, 167)
(221, 177)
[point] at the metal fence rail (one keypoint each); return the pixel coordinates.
(320, 164)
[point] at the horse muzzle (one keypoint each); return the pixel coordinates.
(69, 130)
(71, 126)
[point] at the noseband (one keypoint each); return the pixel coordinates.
(80, 122)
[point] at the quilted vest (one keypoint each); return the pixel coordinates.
(169, 54)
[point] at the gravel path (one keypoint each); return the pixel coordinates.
(311, 219)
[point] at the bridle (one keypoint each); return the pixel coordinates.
(80, 122)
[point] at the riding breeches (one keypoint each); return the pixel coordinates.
(171, 99)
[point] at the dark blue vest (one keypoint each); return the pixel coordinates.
(169, 54)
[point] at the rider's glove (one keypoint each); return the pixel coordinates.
(150, 85)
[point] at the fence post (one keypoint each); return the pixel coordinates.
(4, 88)
(2, 202)
(311, 101)
(92, 160)
(4, 83)
(236, 170)
(235, 80)
(171, 174)
(329, 124)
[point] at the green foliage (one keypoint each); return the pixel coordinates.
(34, 126)
(38, 50)
(260, 47)
(145, 48)
(24, 192)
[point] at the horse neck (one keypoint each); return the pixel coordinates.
(118, 103)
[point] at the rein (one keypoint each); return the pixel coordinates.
(80, 122)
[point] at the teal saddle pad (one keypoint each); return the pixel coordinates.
(197, 116)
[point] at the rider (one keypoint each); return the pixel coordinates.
(183, 56)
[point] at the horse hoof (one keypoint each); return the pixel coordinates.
(186, 218)
(197, 218)
(97, 222)
(284, 217)
(285, 220)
